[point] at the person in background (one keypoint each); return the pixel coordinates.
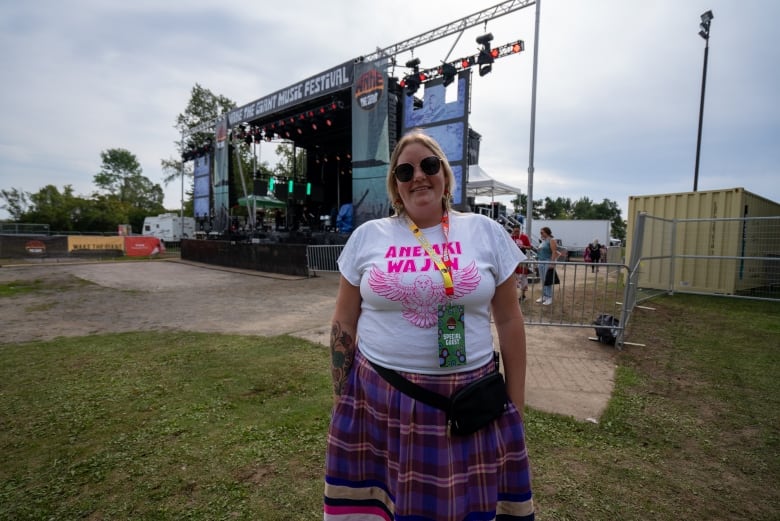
(594, 251)
(546, 254)
(524, 243)
(416, 295)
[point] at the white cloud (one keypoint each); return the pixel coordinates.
(617, 100)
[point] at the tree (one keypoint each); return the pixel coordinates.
(121, 178)
(60, 210)
(583, 208)
(203, 107)
(292, 162)
(559, 208)
(16, 202)
(520, 205)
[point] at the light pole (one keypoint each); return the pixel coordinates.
(529, 205)
(706, 18)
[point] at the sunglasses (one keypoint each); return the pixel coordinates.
(405, 171)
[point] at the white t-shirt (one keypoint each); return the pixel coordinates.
(401, 288)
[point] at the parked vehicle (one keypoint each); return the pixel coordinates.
(169, 227)
(575, 234)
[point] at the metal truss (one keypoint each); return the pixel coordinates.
(438, 33)
(443, 31)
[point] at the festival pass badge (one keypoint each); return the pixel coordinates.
(452, 335)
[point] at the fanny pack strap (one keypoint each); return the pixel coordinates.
(412, 389)
(415, 391)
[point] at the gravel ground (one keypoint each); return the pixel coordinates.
(567, 373)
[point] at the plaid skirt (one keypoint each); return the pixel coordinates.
(389, 457)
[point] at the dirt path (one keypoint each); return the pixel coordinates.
(567, 373)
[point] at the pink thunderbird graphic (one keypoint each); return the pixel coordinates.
(420, 298)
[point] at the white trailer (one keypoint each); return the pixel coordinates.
(168, 227)
(575, 234)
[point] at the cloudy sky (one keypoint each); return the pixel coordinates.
(619, 85)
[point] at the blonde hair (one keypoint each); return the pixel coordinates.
(416, 136)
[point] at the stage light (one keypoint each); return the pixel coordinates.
(413, 80)
(485, 39)
(412, 83)
(486, 55)
(449, 72)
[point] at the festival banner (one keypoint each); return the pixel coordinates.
(221, 183)
(370, 143)
(88, 243)
(143, 246)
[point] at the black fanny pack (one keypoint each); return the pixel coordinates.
(468, 409)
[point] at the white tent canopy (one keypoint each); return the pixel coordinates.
(481, 184)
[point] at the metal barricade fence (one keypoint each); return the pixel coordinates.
(323, 257)
(734, 257)
(585, 291)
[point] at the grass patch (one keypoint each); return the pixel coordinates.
(692, 428)
(203, 427)
(19, 287)
(163, 426)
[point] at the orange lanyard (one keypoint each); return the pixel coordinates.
(443, 263)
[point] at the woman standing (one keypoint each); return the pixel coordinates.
(594, 250)
(546, 254)
(416, 296)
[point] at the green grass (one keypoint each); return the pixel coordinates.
(163, 426)
(209, 427)
(19, 287)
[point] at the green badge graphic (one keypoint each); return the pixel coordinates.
(452, 335)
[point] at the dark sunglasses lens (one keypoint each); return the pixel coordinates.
(404, 172)
(430, 165)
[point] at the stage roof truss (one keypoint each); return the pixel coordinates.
(438, 33)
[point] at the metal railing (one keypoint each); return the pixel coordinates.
(584, 292)
(734, 257)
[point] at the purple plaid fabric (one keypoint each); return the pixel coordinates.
(389, 457)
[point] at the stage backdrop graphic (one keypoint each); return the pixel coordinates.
(202, 190)
(370, 141)
(448, 124)
(221, 184)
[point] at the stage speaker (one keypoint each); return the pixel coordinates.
(299, 190)
(317, 194)
(261, 187)
(280, 191)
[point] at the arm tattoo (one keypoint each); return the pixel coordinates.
(342, 352)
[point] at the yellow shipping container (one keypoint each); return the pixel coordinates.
(707, 238)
